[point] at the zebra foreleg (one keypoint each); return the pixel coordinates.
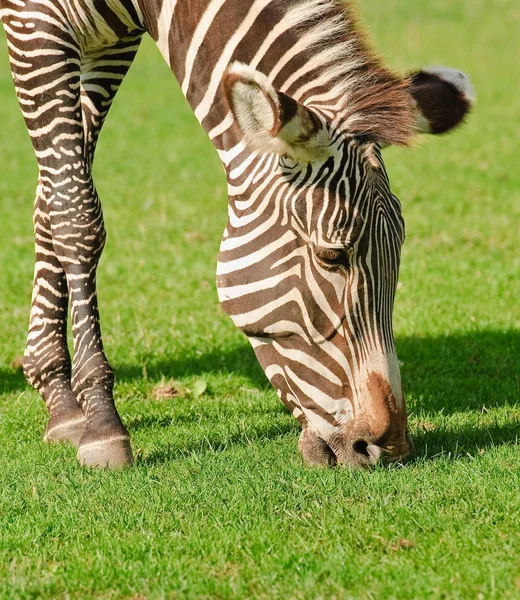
(47, 364)
(46, 65)
(36, 63)
(50, 371)
(105, 440)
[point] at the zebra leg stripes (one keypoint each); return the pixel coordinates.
(65, 95)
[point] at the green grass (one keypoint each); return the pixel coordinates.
(219, 504)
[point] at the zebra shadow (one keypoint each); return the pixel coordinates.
(465, 379)
(467, 375)
(12, 378)
(237, 360)
(263, 420)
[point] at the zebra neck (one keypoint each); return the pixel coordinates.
(312, 50)
(199, 39)
(285, 39)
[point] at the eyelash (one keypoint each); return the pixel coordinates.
(333, 258)
(287, 163)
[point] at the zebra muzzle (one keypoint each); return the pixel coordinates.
(361, 452)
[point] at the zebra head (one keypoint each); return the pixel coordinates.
(309, 263)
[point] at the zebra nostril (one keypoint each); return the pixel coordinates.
(360, 447)
(368, 451)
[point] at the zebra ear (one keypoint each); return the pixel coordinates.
(443, 98)
(270, 120)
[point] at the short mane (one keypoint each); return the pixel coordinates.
(371, 99)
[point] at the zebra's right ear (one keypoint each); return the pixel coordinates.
(270, 120)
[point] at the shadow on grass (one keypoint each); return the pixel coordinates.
(467, 441)
(11, 380)
(458, 373)
(240, 360)
(467, 373)
(253, 433)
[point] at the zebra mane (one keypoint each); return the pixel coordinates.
(369, 99)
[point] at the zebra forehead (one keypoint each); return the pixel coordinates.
(336, 216)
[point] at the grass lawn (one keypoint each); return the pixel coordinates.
(219, 504)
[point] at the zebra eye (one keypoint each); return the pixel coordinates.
(332, 258)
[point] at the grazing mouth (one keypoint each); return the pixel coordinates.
(381, 455)
(370, 456)
(359, 453)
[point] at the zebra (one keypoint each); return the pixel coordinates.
(299, 107)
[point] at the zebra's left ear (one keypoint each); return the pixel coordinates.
(270, 120)
(443, 98)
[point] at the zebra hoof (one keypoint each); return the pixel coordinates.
(60, 429)
(111, 453)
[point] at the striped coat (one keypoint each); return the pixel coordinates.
(298, 106)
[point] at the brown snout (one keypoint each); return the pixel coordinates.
(359, 451)
(377, 434)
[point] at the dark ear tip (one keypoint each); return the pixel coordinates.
(229, 81)
(443, 96)
(232, 77)
(454, 78)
